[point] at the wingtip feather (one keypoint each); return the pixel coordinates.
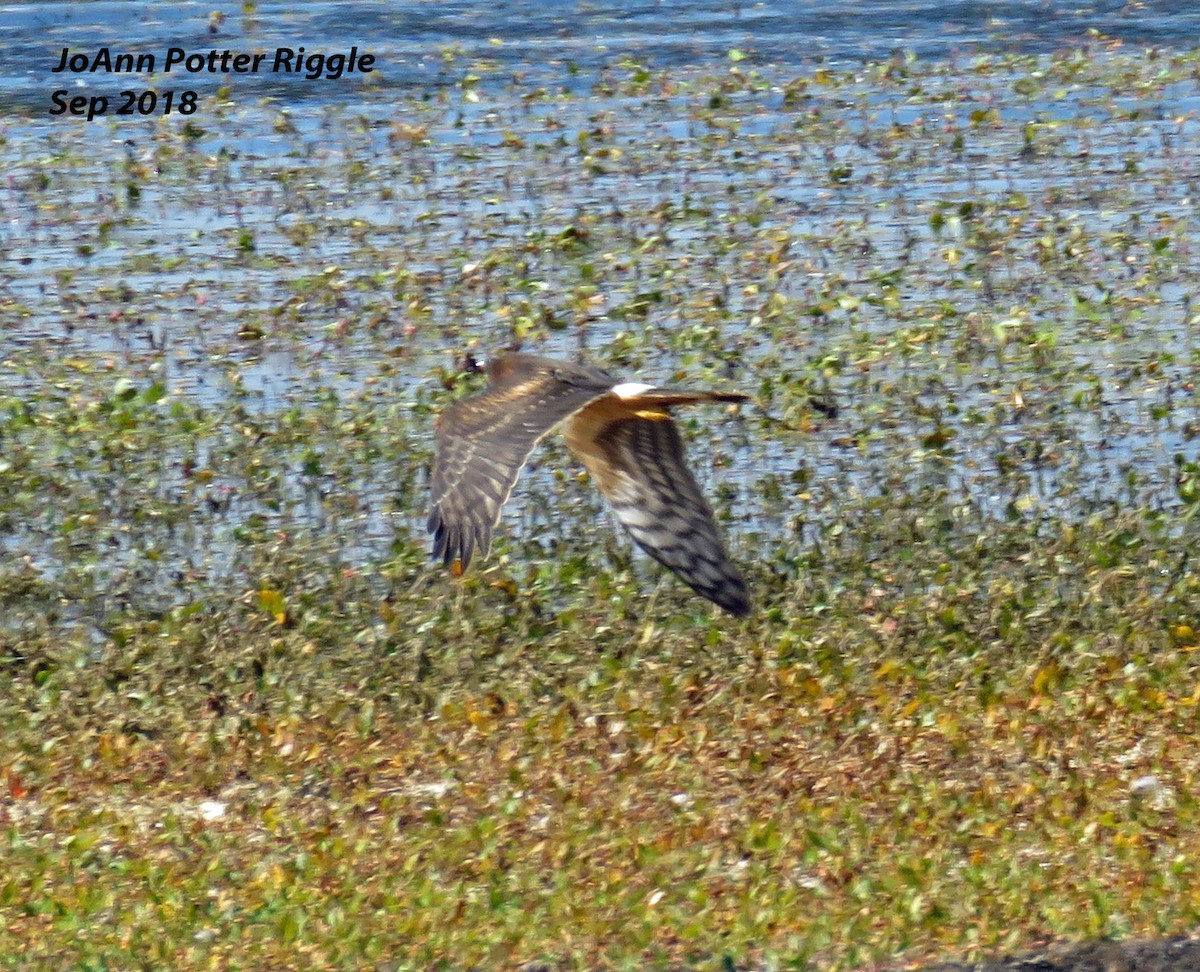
(736, 601)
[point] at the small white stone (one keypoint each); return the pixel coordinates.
(1151, 789)
(1144, 785)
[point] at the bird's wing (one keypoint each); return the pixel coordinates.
(634, 451)
(484, 442)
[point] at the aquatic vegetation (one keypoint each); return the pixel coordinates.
(246, 721)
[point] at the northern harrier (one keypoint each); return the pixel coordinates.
(623, 433)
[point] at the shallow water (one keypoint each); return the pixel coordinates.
(982, 257)
(541, 38)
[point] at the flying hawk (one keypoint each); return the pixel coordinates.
(623, 433)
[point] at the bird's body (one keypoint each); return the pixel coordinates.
(625, 437)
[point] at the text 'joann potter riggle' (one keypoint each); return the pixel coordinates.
(284, 60)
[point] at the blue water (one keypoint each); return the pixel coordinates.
(412, 41)
(153, 288)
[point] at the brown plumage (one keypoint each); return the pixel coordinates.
(625, 437)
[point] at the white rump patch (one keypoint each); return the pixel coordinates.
(631, 389)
